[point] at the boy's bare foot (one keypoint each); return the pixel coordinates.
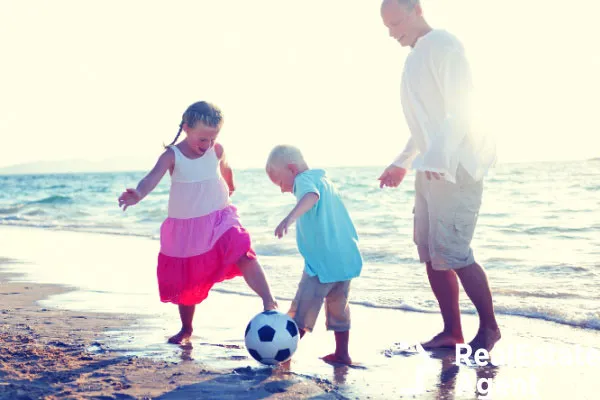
(270, 305)
(183, 336)
(485, 338)
(442, 340)
(337, 359)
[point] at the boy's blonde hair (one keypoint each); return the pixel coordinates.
(284, 154)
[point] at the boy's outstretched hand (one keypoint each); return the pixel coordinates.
(129, 198)
(283, 226)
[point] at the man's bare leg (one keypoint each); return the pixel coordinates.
(186, 313)
(257, 281)
(476, 285)
(445, 288)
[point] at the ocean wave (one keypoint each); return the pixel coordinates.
(537, 294)
(11, 209)
(275, 250)
(560, 269)
(587, 320)
(35, 212)
(11, 218)
(551, 229)
(54, 199)
(116, 230)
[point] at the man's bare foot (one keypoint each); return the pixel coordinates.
(270, 305)
(443, 340)
(485, 338)
(337, 359)
(183, 336)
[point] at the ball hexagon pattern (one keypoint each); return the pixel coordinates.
(271, 337)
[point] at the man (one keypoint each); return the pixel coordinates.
(451, 160)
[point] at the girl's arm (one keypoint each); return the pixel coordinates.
(226, 171)
(131, 196)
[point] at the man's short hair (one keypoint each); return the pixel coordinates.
(410, 3)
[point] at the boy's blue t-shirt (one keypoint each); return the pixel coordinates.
(325, 234)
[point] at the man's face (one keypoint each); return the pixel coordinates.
(401, 21)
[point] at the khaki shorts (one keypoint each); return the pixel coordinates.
(445, 218)
(309, 299)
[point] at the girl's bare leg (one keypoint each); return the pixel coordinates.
(186, 313)
(256, 279)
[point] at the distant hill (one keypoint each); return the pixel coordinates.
(78, 166)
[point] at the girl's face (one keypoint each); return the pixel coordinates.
(200, 137)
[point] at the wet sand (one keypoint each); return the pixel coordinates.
(57, 354)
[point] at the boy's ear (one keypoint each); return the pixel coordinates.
(293, 168)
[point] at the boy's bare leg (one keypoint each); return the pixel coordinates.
(445, 288)
(475, 283)
(186, 313)
(286, 365)
(341, 355)
(256, 279)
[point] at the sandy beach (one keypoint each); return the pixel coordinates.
(57, 354)
(54, 345)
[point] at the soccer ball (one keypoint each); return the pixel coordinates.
(271, 337)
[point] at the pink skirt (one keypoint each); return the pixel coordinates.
(198, 252)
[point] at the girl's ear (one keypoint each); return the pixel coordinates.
(185, 127)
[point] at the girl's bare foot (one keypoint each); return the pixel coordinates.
(443, 340)
(183, 336)
(337, 359)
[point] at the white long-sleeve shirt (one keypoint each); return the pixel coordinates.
(436, 98)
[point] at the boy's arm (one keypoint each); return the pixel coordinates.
(226, 171)
(306, 203)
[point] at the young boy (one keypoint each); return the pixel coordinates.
(326, 239)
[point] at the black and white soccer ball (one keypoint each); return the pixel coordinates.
(271, 337)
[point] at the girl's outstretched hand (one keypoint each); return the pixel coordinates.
(129, 198)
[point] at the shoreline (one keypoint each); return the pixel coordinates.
(52, 354)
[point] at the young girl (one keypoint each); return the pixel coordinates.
(202, 241)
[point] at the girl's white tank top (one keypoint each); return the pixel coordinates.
(197, 187)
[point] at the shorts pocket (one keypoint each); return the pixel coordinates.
(464, 226)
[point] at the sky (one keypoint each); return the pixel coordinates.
(109, 80)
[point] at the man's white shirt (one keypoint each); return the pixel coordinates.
(437, 95)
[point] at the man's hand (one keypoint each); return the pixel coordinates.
(392, 176)
(436, 175)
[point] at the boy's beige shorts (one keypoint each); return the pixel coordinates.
(309, 299)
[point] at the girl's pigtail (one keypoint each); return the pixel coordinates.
(176, 136)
